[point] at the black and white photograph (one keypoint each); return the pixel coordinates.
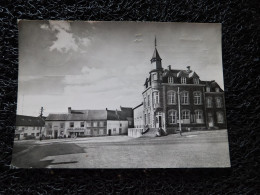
(112, 95)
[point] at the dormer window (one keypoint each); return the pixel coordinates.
(207, 89)
(217, 89)
(170, 79)
(196, 81)
(183, 80)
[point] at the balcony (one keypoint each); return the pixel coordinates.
(158, 105)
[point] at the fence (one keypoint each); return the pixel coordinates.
(135, 132)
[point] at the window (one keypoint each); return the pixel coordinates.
(156, 97)
(37, 134)
(172, 116)
(218, 102)
(82, 124)
(185, 114)
(105, 123)
(114, 130)
(220, 117)
(50, 125)
(25, 134)
(155, 76)
(207, 89)
(185, 97)
(144, 101)
(120, 124)
(145, 119)
(38, 128)
(148, 100)
(171, 97)
(170, 80)
(196, 81)
(71, 124)
(209, 102)
(197, 97)
(183, 80)
(95, 124)
(149, 115)
(61, 125)
(198, 116)
(33, 128)
(32, 134)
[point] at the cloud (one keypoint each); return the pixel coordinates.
(138, 40)
(65, 40)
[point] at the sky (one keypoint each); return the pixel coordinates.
(99, 65)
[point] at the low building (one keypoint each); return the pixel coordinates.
(29, 127)
(86, 123)
(117, 123)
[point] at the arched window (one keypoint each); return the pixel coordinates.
(185, 116)
(170, 80)
(196, 81)
(185, 97)
(218, 102)
(220, 117)
(156, 97)
(172, 116)
(183, 80)
(209, 102)
(197, 97)
(199, 116)
(171, 97)
(148, 100)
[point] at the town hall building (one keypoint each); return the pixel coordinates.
(179, 99)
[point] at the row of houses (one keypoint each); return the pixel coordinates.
(76, 123)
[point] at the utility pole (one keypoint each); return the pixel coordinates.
(179, 109)
(41, 114)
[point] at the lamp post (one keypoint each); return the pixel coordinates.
(41, 113)
(179, 110)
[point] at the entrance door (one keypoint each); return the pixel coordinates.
(120, 131)
(158, 120)
(109, 132)
(55, 134)
(210, 120)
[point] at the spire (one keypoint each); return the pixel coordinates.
(156, 57)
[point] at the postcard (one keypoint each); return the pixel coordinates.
(108, 95)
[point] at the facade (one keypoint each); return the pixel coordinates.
(138, 116)
(117, 123)
(28, 127)
(170, 95)
(86, 123)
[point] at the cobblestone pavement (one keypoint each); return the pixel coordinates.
(193, 149)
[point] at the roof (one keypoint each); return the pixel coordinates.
(127, 111)
(22, 120)
(79, 115)
(138, 106)
(156, 56)
(115, 115)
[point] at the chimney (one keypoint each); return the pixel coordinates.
(169, 67)
(69, 110)
(188, 68)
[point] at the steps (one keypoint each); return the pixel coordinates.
(151, 132)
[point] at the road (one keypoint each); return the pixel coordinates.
(193, 149)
